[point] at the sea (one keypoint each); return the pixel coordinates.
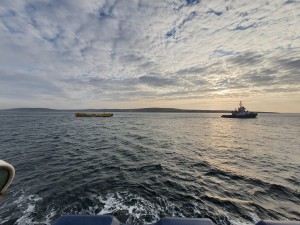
(140, 167)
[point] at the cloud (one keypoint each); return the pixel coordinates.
(129, 51)
(192, 2)
(156, 81)
(217, 13)
(240, 27)
(259, 79)
(247, 58)
(289, 64)
(192, 70)
(22, 85)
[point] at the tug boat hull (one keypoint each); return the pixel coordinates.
(240, 116)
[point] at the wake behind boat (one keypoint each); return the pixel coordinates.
(241, 112)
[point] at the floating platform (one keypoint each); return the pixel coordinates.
(94, 115)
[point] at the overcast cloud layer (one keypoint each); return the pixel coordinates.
(197, 54)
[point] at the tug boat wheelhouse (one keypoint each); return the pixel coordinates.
(241, 112)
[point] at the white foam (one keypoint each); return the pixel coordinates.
(30, 201)
(116, 202)
(253, 216)
(134, 207)
(49, 217)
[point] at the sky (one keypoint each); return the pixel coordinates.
(188, 54)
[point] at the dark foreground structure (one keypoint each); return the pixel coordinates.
(110, 220)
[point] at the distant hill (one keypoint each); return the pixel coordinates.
(173, 110)
(154, 110)
(160, 110)
(31, 109)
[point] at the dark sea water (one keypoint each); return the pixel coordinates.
(140, 167)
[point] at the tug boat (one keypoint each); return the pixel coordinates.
(241, 112)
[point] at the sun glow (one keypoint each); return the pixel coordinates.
(223, 92)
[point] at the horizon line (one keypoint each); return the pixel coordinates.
(141, 109)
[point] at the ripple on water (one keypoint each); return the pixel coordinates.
(141, 167)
